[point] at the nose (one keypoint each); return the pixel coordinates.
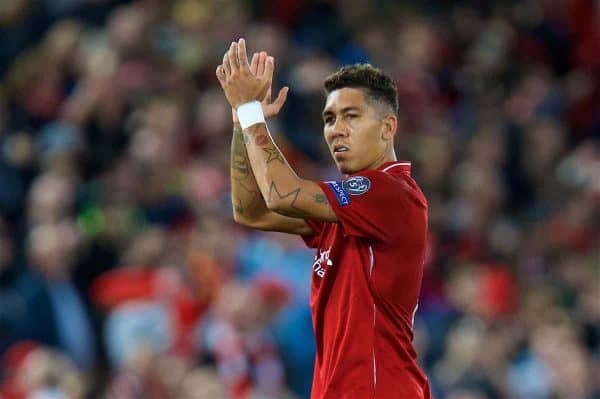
(339, 129)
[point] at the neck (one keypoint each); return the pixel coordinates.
(388, 156)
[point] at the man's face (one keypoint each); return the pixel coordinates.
(354, 131)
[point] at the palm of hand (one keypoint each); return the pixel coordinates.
(242, 82)
(244, 87)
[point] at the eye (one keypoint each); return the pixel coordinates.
(328, 120)
(351, 116)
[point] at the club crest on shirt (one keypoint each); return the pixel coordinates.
(357, 185)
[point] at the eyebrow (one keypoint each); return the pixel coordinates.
(345, 109)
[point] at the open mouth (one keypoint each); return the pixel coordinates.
(340, 148)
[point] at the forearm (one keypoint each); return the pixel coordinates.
(246, 198)
(282, 190)
(284, 193)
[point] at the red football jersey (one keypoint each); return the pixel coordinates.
(366, 282)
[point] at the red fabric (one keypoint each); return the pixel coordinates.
(367, 277)
(118, 286)
(498, 292)
(273, 292)
(15, 355)
(13, 359)
(584, 24)
(563, 233)
(186, 310)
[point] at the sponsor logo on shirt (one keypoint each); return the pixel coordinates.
(322, 263)
(340, 193)
(357, 185)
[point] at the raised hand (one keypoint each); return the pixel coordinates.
(237, 80)
(270, 107)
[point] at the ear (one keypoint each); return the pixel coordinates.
(390, 126)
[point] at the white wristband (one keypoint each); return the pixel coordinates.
(250, 113)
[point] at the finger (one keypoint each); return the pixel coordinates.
(242, 55)
(281, 97)
(269, 67)
(233, 58)
(268, 75)
(226, 66)
(221, 75)
(254, 63)
(260, 70)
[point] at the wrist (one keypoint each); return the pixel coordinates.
(234, 117)
(250, 113)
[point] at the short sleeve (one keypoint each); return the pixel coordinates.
(373, 204)
(312, 240)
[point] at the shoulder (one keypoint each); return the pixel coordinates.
(397, 185)
(372, 180)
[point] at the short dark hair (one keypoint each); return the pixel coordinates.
(377, 85)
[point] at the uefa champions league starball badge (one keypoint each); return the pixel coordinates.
(357, 185)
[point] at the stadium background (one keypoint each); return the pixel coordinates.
(122, 274)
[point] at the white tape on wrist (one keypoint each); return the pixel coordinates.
(250, 113)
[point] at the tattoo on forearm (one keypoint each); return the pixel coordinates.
(239, 208)
(247, 135)
(245, 193)
(240, 165)
(272, 154)
(321, 198)
(293, 197)
(254, 196)
(261, 140)
(241, 169)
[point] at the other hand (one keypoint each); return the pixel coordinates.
(237, 80)
(270, 107)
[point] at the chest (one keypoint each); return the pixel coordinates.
(340, 258)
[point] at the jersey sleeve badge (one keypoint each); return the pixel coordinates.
(357, 185)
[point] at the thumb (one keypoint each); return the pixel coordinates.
(267, 98)
(281, 97)
(220, 75)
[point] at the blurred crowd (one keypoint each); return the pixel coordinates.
(122, 274)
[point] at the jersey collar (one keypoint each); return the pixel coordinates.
(396, 166)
